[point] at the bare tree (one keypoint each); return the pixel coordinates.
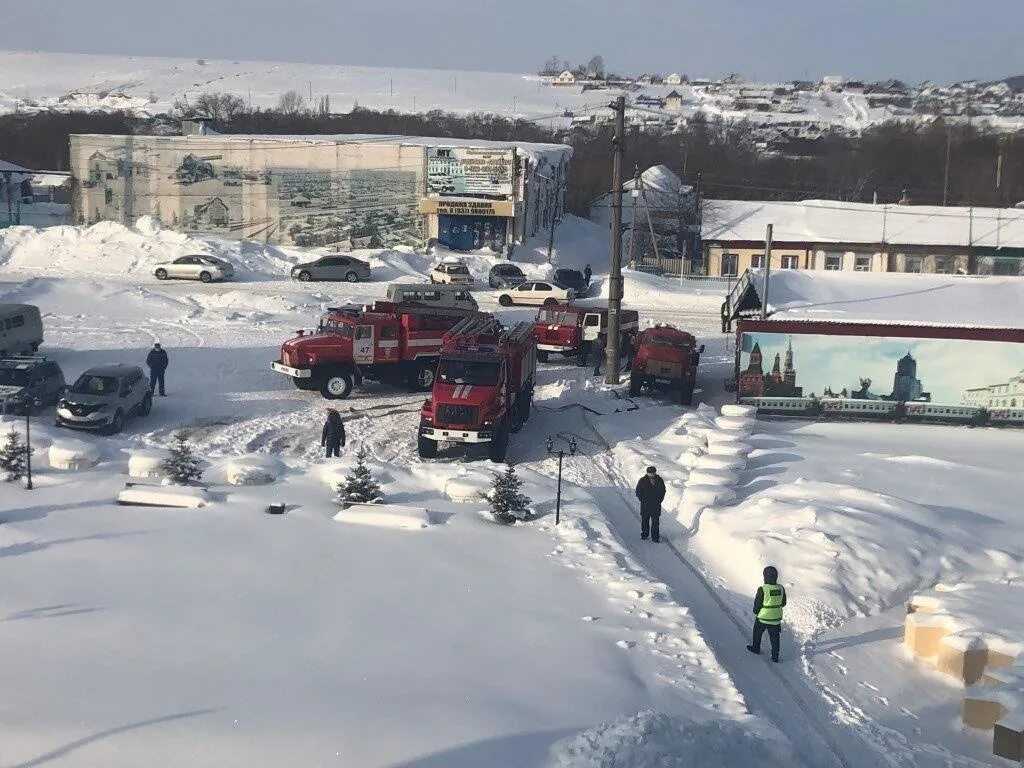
(222, 107)
(291, 103)
(595, 67)
(550, 66)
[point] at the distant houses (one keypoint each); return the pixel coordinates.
(564, 78)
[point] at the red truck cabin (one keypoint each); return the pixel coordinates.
(566, 329)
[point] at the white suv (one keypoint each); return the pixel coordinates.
(451, 272)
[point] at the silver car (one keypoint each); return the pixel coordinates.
(334, 266)
(103, 397)
(199, 267)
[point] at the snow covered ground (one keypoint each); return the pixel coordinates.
(149, 85)
(222, 635)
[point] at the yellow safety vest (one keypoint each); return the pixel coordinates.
(771, 605)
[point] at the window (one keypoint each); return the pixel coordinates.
(592, 321)
(17, 321)
(912, 264)
(789, 262)
(862, 262)
(944, 265)
(730, 263)
(411, 296)
(364, 331)
(757, 260)
(431, 295)
(108, 196)
(833, 261)
(389, 332)
(542, 287)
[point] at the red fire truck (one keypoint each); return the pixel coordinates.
(666, 358)
(396, 343)
(484, 387)
(566, 329)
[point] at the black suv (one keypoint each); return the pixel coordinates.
(572, 278)
(29, 381)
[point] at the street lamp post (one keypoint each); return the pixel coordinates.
(561, 455)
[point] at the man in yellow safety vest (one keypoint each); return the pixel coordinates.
(768, 604)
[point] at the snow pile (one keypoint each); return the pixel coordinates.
(385, 516)
(252, 470)
(67, 453)
(163, 496)
(147, 462)
(651, 739)
(469, 487)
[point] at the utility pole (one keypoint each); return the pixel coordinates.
(634, 195)
(611, 373)
(767, 269)
(945, 179)
(310, 94)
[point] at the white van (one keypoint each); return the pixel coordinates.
(21, 329)
(447, 296)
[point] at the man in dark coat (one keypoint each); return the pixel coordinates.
(333, 435)
(597, 348)
(768, 604)
(628, 350)
(157, 361)
(587, 273)
(651, 492)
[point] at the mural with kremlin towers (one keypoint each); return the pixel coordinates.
(981, 373)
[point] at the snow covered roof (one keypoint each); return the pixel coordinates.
(890, 298)
(50, 179)
(664, 190)
(20, 175)
(834, 221)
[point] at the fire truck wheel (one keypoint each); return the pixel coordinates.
(421, 378)
(337, 386)
(523, 411)
(542, 356)
(635, 382)
(686, 394)
(498, 447)
(505, 300)
(426, 447)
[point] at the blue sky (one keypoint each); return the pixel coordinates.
(946, 368)
(942, 40)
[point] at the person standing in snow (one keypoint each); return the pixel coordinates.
(628, 349)
(157, 361)
(768, 604)
(597, 347)
(651, 492)
(333, 435)
(587, 273)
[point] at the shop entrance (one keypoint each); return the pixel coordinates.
(470, 233)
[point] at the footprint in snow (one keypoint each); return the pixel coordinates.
(909, 714)
(884, 701)
(842, 670)
(869, 686)
(835, 655)
(626, 644)
(590, 618)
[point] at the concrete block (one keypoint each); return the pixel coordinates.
(964, 661)
(980, 712)
(922, 637)
(1008, 741)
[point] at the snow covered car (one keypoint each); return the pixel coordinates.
(505, 276)
(26, 382)
(452, 272)
(103, 397)
(334, 266)
(200, 267)
(537, 294)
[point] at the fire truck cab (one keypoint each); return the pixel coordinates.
(666, 358)
(569, 330)
(389, 342)
(484, 387)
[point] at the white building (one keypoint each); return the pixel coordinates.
(564, 78)
(1008, 395)
(674, 79)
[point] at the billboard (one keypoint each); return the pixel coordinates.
(987, 374)
(470, 171)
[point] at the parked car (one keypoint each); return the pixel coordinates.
(447, 296)
(334, 266)
(540, 293)
(452, 272)
(28, 381)
(572, 278)
(21, 329)
(505, 276)
(103, 397)
(199, 267)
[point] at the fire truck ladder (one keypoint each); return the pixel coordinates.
(470, 331)
(390, 308)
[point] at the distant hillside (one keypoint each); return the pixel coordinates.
(1016, 82)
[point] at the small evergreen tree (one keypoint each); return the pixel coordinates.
(182, 466)
(507, 503)
(359, 487)
(12, 456)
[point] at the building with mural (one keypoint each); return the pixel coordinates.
(1008, 394)
(336, 191)
(779, 382)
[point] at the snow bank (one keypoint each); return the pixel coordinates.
(385, 516)
(163, 496)
(651, 739)
(739, 423)
(147, 462)
(732, 463)
(729, 448)
(252, 470)
(711, 476)
(734, 409)
(697, 496)
(467, 488)
(67, 453)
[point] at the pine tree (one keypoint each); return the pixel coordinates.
(507, 503)
(359, 487)
(182, 466)
(12, 456)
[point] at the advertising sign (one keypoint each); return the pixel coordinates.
(469, 171)
(458, 207)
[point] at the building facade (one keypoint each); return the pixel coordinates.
(323, 191)
(1009, 394)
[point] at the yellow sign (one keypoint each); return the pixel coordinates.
(454, 207)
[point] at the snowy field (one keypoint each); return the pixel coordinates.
(144, 85)
(225, 636)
